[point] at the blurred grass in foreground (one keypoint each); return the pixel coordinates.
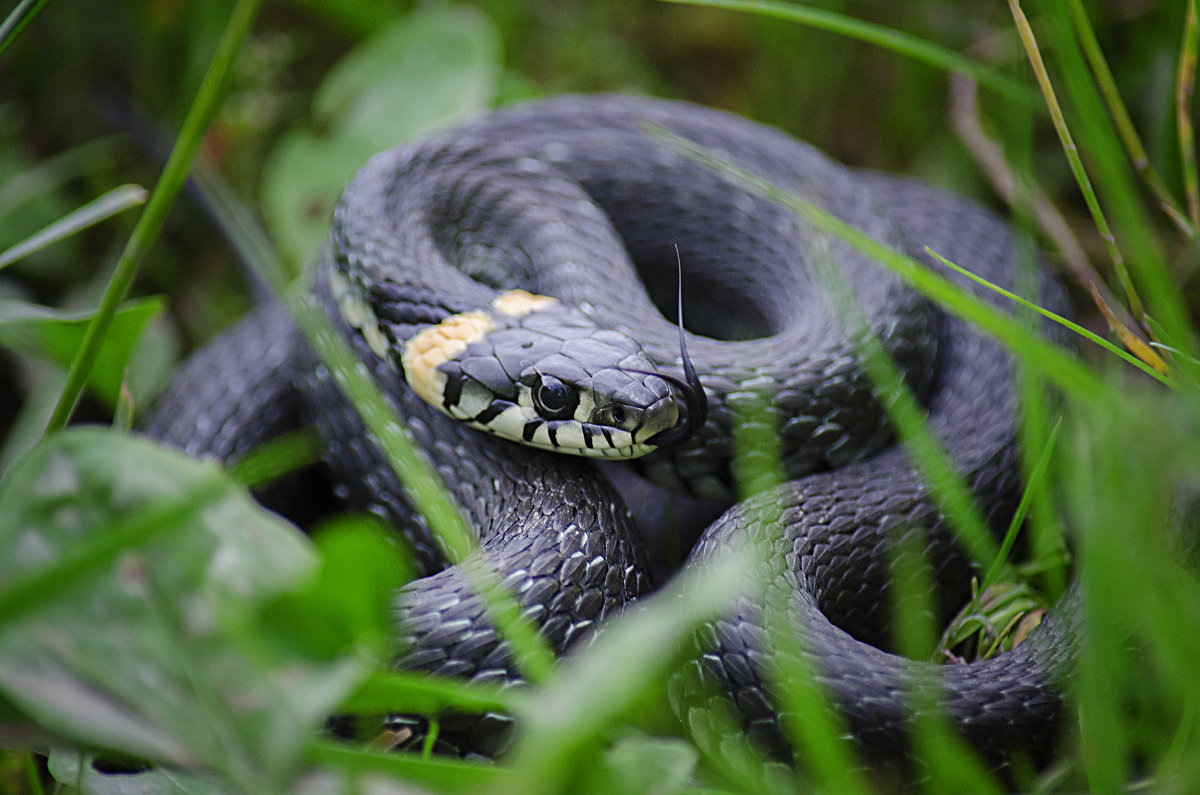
(1121, 479)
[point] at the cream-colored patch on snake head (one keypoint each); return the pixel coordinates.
(435, 345)
(519, 303)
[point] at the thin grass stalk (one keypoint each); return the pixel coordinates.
(99, 209)
(254, 246)
(207, 102)
(575, 708)
(995, 162)
(1059, 319)
(1185, 84)
(1120, 116)
(439, 774)
(1057, 365)
(1029, 41)
(815, 730)
(124, 410)
(950, 766)
(989, 155)
(277, 457)
(57, 170)
(888, 38)
(385, 692)
(1149, 268)
(531, 654)
(950, 491)
(1046, 537)
(1035, 482)
(1105, 728)
(33, 774)
(16, 21)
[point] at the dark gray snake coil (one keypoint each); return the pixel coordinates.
(572, 198)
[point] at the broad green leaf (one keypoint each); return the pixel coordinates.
(302, 179)
(130, 592)
(75, 769)
(55, 335)
(424, 72)
(415, 76)
(640, 765)
(347, 607)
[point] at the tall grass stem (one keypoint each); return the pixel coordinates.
(207, 102)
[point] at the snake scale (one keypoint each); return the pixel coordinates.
(572, 204)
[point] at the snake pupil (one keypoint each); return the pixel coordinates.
(554, 399)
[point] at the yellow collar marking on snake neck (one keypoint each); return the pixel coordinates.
(434, 345)
(518, 303)
(437, 344)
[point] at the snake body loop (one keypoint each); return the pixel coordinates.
(573, 200)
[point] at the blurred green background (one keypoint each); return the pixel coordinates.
(92, 96)
(116, 79)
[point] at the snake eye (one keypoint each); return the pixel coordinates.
(553, 399)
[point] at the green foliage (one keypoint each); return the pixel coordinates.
(149, 611)
(441, 64)
(56, 335)
(128, 611)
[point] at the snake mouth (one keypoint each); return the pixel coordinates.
(695, 404)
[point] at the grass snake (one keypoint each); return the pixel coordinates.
(521, 270)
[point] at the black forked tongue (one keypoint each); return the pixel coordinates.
(694, 399)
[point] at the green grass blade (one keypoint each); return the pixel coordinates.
(592, 688)
(888, 38)
(1185, 84)
(1059, 366)
(239, 223)
(392, 692)
(532, 656)
(817, 731)
(1120, 116)
(1145, 257)
(950, 491)
(278, 457)
(104, 545)
(1029, 41)
(33, 775)
(1035, 481)
(57, 170)
(439, 774)
(115, 201)
(1057, 318)
(949, 764)
(16, 21)
(208, 100)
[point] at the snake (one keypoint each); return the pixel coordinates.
(516, 287)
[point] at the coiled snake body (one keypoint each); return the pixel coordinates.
(469, 232)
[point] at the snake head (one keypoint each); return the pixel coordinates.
(540, 373)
